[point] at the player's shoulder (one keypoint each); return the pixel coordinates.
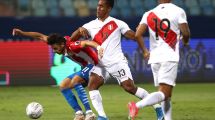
(93, 21)
(145, 15)
(90, 23)
(176, 8)
(118, 21)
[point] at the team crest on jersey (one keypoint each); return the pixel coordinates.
(110, 27)
(77, 43)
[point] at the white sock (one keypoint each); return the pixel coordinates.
(167, 108)
(96, 99)
(156, 105)
(141, 93)
(151, 99)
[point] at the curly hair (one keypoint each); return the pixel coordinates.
(55, 39)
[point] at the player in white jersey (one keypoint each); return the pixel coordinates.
(107, 31)
(165, 22)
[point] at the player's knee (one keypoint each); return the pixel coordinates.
(129, 86)
(130, 89)
(166, 90)
(64, 84)
(95, 82)
(93, 86)
(167, 94)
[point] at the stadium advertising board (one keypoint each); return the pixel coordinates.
(196, 61)
(33, 63)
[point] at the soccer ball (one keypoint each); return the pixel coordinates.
(34, 110)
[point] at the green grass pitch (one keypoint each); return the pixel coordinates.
(190, 102)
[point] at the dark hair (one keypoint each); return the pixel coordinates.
(110, 3)
(55, 39)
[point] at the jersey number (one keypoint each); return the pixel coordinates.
(161, 27)
(121, 72)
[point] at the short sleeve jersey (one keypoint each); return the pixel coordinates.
(82, 56)
(164, 33)
(108, 34)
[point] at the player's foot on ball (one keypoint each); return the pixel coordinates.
(102, 118)
(90, 115)
(133, 110)
(79, 115)
(159, 113)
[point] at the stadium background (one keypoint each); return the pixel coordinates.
(25, 61)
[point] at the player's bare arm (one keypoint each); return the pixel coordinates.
(185, 31)
(141, 29)
(130, 34)
(35, 35)
(80, 32)
(93, 44)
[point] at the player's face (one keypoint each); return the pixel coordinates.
(103, 9)
(58, 48)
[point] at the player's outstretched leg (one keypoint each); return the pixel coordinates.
(142, 93)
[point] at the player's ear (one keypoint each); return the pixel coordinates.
(109, 9)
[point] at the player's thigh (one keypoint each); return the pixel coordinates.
(155, 70)
(101, 72)
(83, 75)
(167, 73)
(120, 71)
(65, 83)
(98, 77)
(77, 80)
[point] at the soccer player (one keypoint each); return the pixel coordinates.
(106, 31)
(165, 22)
(80, 52)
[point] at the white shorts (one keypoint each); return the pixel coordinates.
(165, 72)
(119, 71)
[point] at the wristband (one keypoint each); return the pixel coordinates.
(98, 48)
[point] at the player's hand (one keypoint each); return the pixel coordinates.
(100, 51)
(146, 54)
(186, 44)
(84, 32)
(16, 32)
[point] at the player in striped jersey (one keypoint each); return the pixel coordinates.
(165, 23)
(80, 52)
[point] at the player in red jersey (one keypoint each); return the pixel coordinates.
(165, 23)
(80, 52)
(107, 32)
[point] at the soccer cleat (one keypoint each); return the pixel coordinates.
(102, 118)
(79, 115)
(159, 113)
(90, 116)
(133, 110)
